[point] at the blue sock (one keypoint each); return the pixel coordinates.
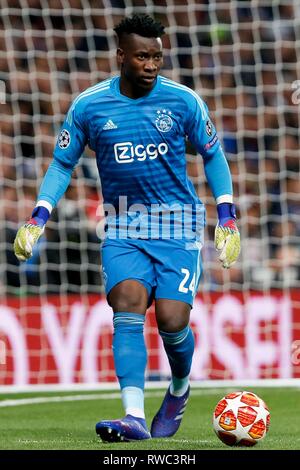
(179, 347)
(130, 358)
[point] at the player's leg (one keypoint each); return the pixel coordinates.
(177, 278)
(172, 318)
(128, 299)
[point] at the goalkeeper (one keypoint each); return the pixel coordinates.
(137, 124)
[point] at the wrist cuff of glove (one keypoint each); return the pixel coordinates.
(39, 216)
(226, 210)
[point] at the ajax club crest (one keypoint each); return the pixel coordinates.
(164, 121)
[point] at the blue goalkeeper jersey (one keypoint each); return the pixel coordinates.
(140, 143)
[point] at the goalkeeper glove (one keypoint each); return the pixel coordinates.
(227, 236)
(30, 232)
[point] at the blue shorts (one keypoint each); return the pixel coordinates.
(169, 269)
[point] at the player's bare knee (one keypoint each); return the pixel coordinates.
(133, 305)
(129, 296)
(172, 316)
(171, 323)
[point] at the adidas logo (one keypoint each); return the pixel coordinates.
(109, 125)
(180, 414)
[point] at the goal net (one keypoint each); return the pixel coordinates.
(243, 58)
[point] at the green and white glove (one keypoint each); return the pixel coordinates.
(29, 233)
(227, 236)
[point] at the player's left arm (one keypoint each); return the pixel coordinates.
(203, 135)
(227, 236)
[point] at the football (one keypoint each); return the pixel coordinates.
(241, 418)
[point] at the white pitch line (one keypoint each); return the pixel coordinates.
(39, 400)
(150, 385)
(188, 441)
(95, 396)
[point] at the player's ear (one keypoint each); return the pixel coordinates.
(120, 56)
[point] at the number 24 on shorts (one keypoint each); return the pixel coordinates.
(187, 284)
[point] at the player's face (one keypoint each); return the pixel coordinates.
(141, 60)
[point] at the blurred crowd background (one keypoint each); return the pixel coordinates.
(242, 57)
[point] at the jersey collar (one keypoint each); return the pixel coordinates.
(115, 87)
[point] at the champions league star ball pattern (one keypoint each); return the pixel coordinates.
(64, 139)
(241, 418)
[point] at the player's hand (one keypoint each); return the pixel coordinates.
(227, 236)
(25, 239)
(29, 233)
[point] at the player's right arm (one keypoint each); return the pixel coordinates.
(69, 147)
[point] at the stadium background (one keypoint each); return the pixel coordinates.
(243, 59)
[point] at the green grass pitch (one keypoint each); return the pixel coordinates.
(68, 420)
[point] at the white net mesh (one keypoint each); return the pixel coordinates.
(242, 57)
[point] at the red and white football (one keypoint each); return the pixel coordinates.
(241, 418)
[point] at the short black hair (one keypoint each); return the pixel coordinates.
(141, 24)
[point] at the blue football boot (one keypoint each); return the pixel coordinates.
(168, 418)
(126, 429)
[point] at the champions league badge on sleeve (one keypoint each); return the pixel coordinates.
(164, 121)
(209, 128)
(64, 139)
